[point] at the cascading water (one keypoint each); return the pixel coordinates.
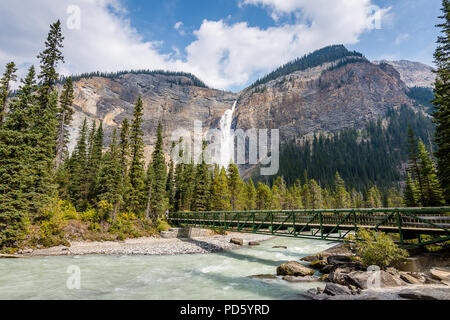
(226, 152)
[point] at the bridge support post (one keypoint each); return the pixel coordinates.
(400, 231)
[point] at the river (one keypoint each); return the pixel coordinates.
(217, 276)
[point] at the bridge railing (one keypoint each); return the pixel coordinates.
(326, 222)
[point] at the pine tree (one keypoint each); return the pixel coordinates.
(202, 190)
(414, 163)
(250, 196)
(158, 201)
(263, 197)
(108, 184)
(16, 166)
(221, 193)
(442, 100)
(136, 195)
(5, 85)
(79, 171)
(45, 119)
(170, 185)
(432, 192)
(410, 196)
(373, 198)
(342, 197)
(95, 158)
(65, 113)
(236, 187)
(316, 195)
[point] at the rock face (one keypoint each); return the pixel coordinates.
(315, 100)
(173, 100)
(414, 74)
(295, 269)
(301, 103)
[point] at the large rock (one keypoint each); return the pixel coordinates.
(334, 289)
(442, 274)
(364, 280)
(318, 265)
(294, 268)
(237, 241)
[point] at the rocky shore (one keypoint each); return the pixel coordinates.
(149, 246)
(347, 278)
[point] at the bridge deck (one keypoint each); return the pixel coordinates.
(325, 224)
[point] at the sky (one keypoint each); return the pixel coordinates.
(226, 43)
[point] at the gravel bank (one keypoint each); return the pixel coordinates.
(152, 246)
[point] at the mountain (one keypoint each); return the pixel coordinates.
(173, 99)
(347, 92)
(327, 91)
(413, 74)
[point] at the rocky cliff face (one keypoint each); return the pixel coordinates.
(414, 74)
(173, 100)
(300, 103)
(315, 100)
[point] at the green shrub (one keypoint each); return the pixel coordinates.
(162, 225)
(377, 248)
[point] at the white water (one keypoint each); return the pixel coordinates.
(218, 276)
(226, 152)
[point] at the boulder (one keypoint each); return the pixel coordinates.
(279, 247)
(237, 241)
(334, 289)
(442, 274)
(361, 279)
(294, 268)
(337, 260)
(300, 279)
(409, 278)
(263, 277)
(318, 265)
(328, 269)
(309, 258)
(254, 243)
(314, 292)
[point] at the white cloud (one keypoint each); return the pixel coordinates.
(224, 55)
(178, 26)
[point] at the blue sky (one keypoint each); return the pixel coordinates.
(227, 43)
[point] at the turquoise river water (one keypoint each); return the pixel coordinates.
(217, 276)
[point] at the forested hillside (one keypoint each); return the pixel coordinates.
(373, 156)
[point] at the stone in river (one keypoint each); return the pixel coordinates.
(237, 241)
(294, 268)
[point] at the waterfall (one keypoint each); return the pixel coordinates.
(226, 152)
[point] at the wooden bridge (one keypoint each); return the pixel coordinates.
(335, 225)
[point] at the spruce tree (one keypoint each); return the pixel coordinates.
(158, 201)
(263, 197)
(250, 196)
(45, 119)
(410, 196)
(5, 86)
(136, 195)
(431, 192)
(108, 184)
(65, 113)
(79, 171)
(236, 187)
(221, 193)
(16, 165)
(442, 100)
(342, 197)
(202, 190)
(95, 158)
(170, 185)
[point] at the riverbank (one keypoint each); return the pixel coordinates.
(423, 276)
(149, 246)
